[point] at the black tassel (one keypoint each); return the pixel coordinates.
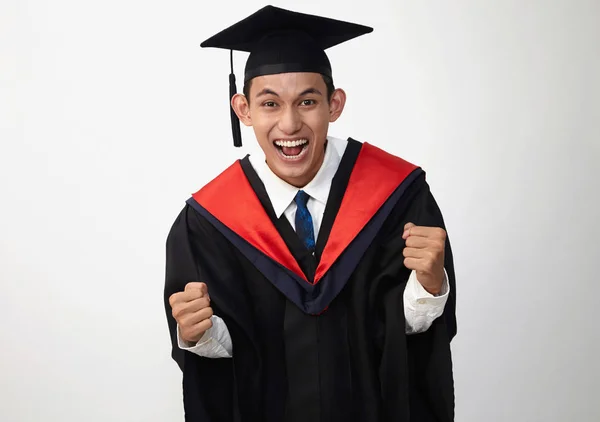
(235, 122)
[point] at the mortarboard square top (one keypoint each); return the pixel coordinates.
(280, 40)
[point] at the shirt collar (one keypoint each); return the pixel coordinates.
(282, 193)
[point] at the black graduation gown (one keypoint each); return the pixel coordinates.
(315, 338)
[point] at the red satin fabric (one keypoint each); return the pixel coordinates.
(231, 200)
(375, 176)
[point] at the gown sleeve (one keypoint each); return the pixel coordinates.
(429, 363)
(208, 384)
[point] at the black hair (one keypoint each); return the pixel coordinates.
(328, 83)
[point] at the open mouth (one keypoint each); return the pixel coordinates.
(292, 149)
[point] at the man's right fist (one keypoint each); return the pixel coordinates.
(191, 309)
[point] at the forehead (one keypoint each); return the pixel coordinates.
(288, 83)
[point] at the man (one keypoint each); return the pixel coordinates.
(315, 283)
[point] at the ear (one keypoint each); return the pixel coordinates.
(336, 104)
(240, 105)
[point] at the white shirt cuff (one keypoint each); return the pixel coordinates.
(215, 343)
(421, 308)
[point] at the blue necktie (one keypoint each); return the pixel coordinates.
(304, 222)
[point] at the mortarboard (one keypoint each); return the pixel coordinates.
(282, 41)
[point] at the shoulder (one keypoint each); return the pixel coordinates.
(376, 166)
(384, 158)
(229, 178)
(189, 215)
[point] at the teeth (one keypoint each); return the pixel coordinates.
(290, 144)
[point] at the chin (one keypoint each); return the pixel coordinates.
(292, 173)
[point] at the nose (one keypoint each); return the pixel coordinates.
(290, 121)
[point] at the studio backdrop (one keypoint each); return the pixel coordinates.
(111, 115)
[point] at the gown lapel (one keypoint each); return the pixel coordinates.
(307, 261)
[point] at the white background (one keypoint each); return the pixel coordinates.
(111, 115)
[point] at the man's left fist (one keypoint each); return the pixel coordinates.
(424, 253)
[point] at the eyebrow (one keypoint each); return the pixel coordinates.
(310, 91)
(268, 91)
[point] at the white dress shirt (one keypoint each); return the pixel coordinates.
(420, 307)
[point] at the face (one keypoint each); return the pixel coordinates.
(290, 116)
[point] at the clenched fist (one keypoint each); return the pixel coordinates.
(191, 309)
(424, 253)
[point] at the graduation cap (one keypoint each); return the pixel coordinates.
(282, 41)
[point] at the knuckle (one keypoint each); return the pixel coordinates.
(183, 310)
(176, 311)
(174, 298)
(184, 321)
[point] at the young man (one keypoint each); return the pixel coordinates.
(315, 283)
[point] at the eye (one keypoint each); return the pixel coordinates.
(308, 102)
(269, 104)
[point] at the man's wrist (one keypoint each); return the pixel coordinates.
(188, 343)
(185, 344)
(434, 292)
(440, 289)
